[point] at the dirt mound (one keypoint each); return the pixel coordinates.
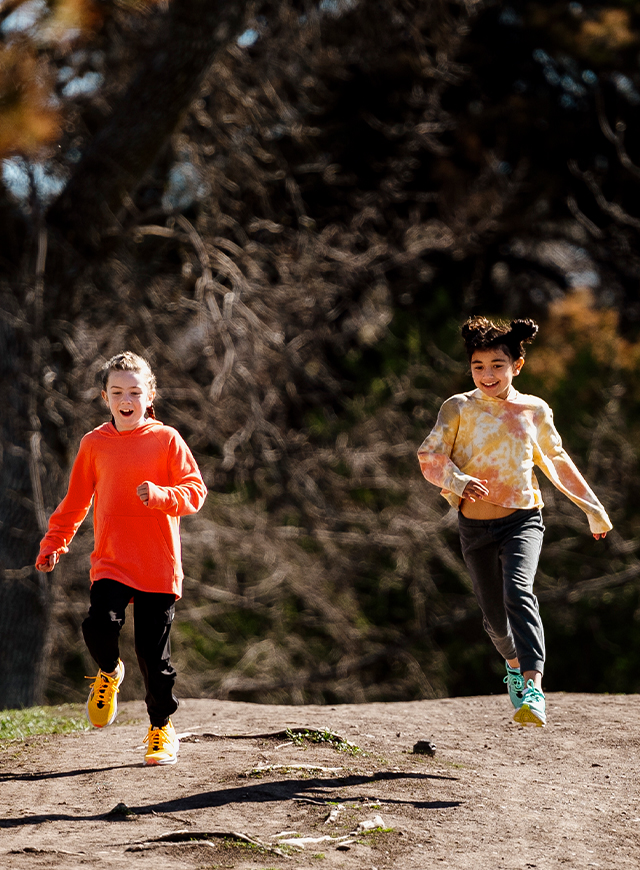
(296, 787)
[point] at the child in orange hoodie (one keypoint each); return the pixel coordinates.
(141, 477)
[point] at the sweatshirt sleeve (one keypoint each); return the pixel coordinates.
(435, 453)
(67, 517)
(558, 466)
(187, 491)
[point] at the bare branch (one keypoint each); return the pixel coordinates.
(148, 112)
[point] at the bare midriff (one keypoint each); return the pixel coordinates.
(484, 510)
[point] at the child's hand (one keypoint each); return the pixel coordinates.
(475, 489)
(602, 535)
(49, 564)
(143, 493)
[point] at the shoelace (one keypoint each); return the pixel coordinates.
(108, 683)
(516, 681)
(156, 738)
(532, 695)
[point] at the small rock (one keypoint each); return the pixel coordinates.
(370, 825)
(121, 809)
(424, 747)
(333, 815)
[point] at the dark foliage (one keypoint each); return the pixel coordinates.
(349, 182)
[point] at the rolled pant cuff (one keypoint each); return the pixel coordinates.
(531, 665)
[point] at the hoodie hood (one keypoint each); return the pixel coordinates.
(110, 428)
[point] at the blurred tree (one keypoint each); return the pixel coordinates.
(107, 176)
(346, 182)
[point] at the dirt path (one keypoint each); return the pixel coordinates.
(494, 796)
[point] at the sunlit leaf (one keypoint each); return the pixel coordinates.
(28, 120)
(67, 20)
(609, 30)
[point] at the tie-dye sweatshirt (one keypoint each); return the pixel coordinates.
(500, 441)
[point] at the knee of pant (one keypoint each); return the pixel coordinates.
(102, 624)
(517, 595)
(153, 649)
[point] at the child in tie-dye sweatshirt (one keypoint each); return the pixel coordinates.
(482, 452)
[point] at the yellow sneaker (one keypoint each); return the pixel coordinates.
(163, 745)
(102, 704)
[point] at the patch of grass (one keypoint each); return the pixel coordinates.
(20, 724)
(372, 835)
(231, 843)
(288, 851)
(323, 735)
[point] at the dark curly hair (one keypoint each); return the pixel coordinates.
(479, 333)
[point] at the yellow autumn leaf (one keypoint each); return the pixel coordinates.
(28, 120)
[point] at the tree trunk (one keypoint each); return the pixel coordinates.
(112, 167)
(146, 115)
(25, 595)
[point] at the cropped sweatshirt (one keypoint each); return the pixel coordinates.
(501, 440)
(135, 544)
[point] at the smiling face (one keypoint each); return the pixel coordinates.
(493, 371)
(128, 396)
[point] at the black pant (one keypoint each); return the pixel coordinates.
(502, 558)
(153, 614)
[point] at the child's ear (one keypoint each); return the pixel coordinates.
(517, 366)
(105, 398)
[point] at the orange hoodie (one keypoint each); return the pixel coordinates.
(134, 544)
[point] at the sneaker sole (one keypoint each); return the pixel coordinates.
(155, 763)
(526, 716)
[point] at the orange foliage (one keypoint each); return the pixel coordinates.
(575, 324)
(67, 20)
(27, 119)
(609, 29)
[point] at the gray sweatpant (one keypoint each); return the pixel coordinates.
(502, 558)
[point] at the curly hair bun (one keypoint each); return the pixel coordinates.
(480, 333)
(523, 330)
(475, 327)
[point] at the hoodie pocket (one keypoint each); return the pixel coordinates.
(130, 541)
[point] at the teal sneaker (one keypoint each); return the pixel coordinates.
(515, 685)
(532, 709)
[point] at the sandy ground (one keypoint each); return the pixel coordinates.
(495, 795)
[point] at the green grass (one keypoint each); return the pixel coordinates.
(20, 724)
(312, 735)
